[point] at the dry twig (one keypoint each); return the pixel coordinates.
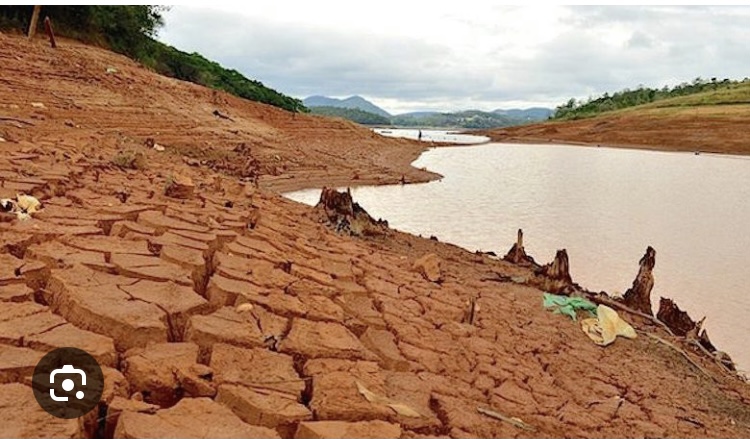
(681, 352)
(513, 421)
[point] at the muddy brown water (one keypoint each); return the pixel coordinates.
(605, 206)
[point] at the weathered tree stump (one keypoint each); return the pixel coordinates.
(337, 203)
(555, 276)
(347, 216)
(638, 296)
(676, 319)
(472, 309)
(34, 21)
(517, 254)
(50, 32)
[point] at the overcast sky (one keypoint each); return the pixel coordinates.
(408, 56)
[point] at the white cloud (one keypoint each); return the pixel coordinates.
(414, 56)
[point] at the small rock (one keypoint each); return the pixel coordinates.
(158, 147)
(429, 266)
(38, 105)
(179, 186)
(111, 70)
(2, 139)
(70, 123)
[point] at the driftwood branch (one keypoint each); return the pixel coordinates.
(500, 417)
(15, 119)
(681, 352)
(603, 300)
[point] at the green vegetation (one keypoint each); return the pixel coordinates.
(130, 30)
(353, 114)
(698, 92)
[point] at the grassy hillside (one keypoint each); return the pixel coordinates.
(699, 92)
(130, 30)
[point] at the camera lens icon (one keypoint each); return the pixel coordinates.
(68, 383)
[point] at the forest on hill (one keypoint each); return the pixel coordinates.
(131, 31)
(627, 98)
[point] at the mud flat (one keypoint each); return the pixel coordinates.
(226, 310)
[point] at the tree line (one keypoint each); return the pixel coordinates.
(353, 114)
(577, 109)
(131, 30)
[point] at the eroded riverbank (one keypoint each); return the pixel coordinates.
(224, 304)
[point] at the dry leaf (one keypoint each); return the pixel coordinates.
(244, 307)
(398, 407)
(371, 396)
(404, 410)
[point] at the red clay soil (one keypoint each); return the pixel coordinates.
(718, 129)
(233, 312)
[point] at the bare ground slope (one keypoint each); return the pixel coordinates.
(723, 128)
(236, 312)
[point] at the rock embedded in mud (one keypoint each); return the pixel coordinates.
(638, 296)
(430, 267)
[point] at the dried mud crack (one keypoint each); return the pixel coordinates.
(228, 311)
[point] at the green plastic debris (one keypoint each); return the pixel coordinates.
(568, 305)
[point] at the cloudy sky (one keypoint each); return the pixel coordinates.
(408, 56)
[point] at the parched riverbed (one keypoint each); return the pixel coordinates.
(605, 206)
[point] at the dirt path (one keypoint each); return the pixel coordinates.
(234, 312)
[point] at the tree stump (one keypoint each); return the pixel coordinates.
(34, 21)
(638, 296)
(50, 32)
(347, 216)
(676, 319)
(517, 254)
(555, 276)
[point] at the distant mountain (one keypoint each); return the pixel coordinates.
(360, 110)
(528, 115)
(353, 114)
(354, 102)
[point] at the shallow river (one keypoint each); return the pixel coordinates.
(605, 206)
